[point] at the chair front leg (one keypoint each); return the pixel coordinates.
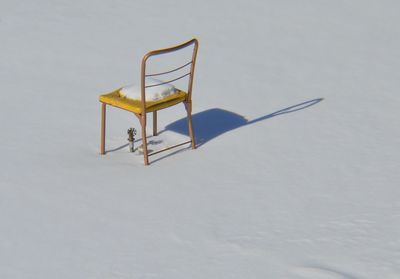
(144, 139)
(103, 129)
(188, 107)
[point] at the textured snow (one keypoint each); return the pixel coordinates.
(296, 111)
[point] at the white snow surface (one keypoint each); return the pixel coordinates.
(296, 111)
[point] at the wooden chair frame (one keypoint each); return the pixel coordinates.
(143, 115)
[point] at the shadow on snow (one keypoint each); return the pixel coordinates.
(214, 122)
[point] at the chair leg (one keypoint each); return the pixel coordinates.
(103, 129)
(144, 139)
(188, 107)
(154, 123)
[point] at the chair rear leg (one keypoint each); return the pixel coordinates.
(154, 123)
(144, 139)
(103, 129)
(188, 107)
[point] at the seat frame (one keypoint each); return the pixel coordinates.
(142, 116)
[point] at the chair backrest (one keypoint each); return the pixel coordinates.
(188, 66)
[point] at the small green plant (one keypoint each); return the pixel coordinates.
(131, 139)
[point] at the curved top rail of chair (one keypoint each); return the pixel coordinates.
(170, 49)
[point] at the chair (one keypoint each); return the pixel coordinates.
(142, 106)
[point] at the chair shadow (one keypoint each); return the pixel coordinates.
(214, 122)
(117, 148)
(149, 142)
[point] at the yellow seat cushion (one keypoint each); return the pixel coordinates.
(117, 100)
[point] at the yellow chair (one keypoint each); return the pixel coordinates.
(140, 107)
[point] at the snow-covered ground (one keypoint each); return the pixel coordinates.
(296, 107)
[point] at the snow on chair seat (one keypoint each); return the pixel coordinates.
(119, 100)
(156, 90)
